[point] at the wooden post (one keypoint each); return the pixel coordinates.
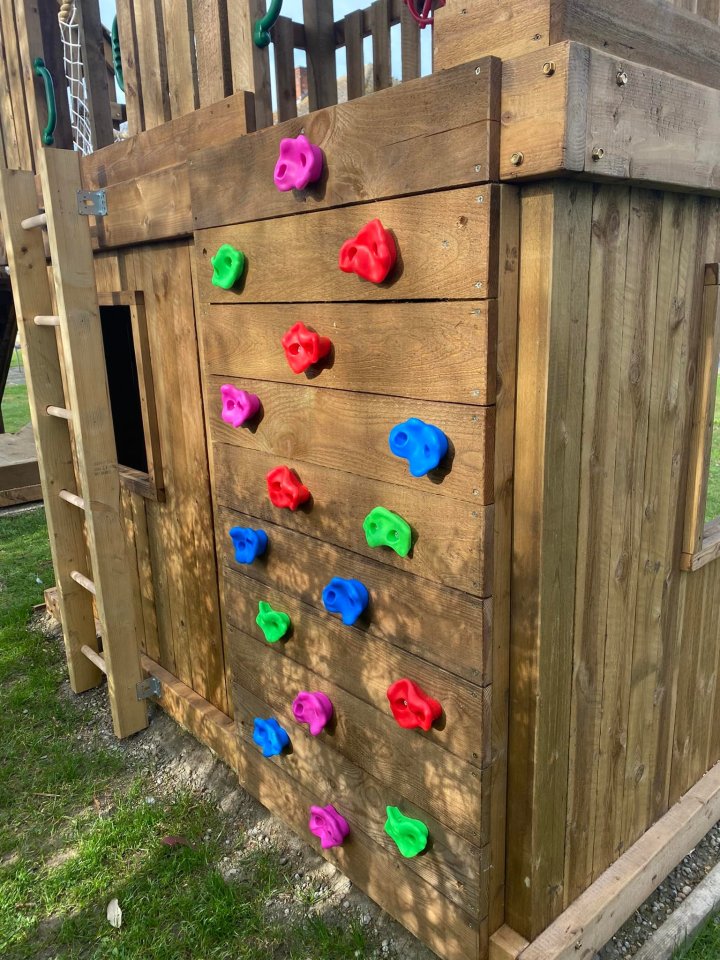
(320, 47)
(250, 64)
(382, 67)
(96, 75)
(131, 74)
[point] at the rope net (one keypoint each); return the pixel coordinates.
(69, 21)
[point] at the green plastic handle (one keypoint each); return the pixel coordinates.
(42, 71)
(117, 59)
(261, 31)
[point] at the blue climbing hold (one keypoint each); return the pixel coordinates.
(249, 544)
(270, 737)
(420, 443)
(346, 597)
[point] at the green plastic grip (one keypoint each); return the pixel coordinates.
(41, 70)
(261, 30)
(117, 59)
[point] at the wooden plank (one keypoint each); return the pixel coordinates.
(709, 10)
(18, 103)
(8, 136)
(303, 427)
(131, 73)
(31, 290)
(450, 230)
(147, 585)
(179, 31)
(628, 507)
(155, 207)
(17, 495)
(320, 49)
(382, 65)
(448, 349)
(378, 148)
(95, 73)
(355, 55)
(284, 68)
(250, 64)
(326, 766)
(555, 240)
(403, 616)
(151, 62)
(212, 48)
(506, 944)
(409, 45)
(23, 473)
(452, 541)
(465, 31)
(600, 437)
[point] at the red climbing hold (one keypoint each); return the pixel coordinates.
(304, 347)
(371, 254)
(411, 706)
(285, 489)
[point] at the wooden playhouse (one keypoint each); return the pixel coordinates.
(552, 190)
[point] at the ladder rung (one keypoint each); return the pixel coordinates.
(46, 321)
(83, 581)
(72, 498)
(94, 657)
(59, 412)
(39, 220)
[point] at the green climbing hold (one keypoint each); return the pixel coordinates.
(228, 265)
(383, 528)
(411, 836)
(273, 623)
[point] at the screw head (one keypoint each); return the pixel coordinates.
(621, 78)
(598, 153)
(478, 71)
(517, 158)
(548, 68)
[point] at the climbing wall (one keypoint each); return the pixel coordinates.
(352, 428)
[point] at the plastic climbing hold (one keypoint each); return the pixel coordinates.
(238, 406)
(249, 544)
(270, 736)
(383, 528)
(304, 347)
(411, 836)
(349, 598)
(330, 826)
(285, 490)
(411, 706)
(300, 163)
(420, 443)
(273, 623)
(228, 265)
(315, 709)
(371, 254)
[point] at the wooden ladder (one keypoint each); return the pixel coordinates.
(70, 408)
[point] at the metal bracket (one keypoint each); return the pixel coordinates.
(92, 203)
(150, 687)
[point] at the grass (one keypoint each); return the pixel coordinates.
(706, 946)
(15, 408)
(712, 507)
(76, 827)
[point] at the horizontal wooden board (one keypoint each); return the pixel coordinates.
(363, 665)
(411, 619)
(436, 132)
(447, 349)
(420, 770)
(446, 250)
(452, 540)
(451, 865)
(339, 429)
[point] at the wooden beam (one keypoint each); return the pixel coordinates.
(320, 46)
(131, 72)
(95, 71)
(250, 64)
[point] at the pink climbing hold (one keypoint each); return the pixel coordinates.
(315, 709)
(238, 405)
(300, 163)
(330, 826)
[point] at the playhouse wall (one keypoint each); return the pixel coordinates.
(172, 538)
(614, 660)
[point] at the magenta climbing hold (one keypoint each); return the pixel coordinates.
(300, 163)
(315, 709)
(239, 406)
(329, 825)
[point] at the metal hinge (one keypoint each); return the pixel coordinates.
(150, 687)
(92, 203)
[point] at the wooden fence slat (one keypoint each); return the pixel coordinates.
(131, 73)
(320, 46)
(96, 75)
(354, 54)
(10, 151)
(212, 47)
(709, 10)
(285, 69)
(17, 105)
(151, 62)
(180, 49)
(409, 45)
(250, 65)
(382, 63)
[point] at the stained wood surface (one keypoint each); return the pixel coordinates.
(180, 46)
(443, 240)
(448, 350)
(383, 146)
(16, 130)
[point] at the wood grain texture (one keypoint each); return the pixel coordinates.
(95, 73)
(375, 147)
(212, 50)
(152, 62)
(448, 349)
(283, 37)
(449, 229)
(131, 73)
(153, 207)
(181, 56)
(465, 31)
(320, 49)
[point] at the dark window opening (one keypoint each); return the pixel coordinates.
(124, 386)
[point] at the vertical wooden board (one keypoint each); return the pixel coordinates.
(608, 255)
(18, 104)
(464, 31)
(151, 62)
(636, 365)
(212, 48)
(180, 46)
(147, 586)
(128, 523)
(709, 10)
(250, 64)
(10, 152)
(409, 45)
(382, 66)
(95, 73)
(130, 64)
(555, 240)
(320, 48)
(712, 647)
(283, 33)
(355, 55)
